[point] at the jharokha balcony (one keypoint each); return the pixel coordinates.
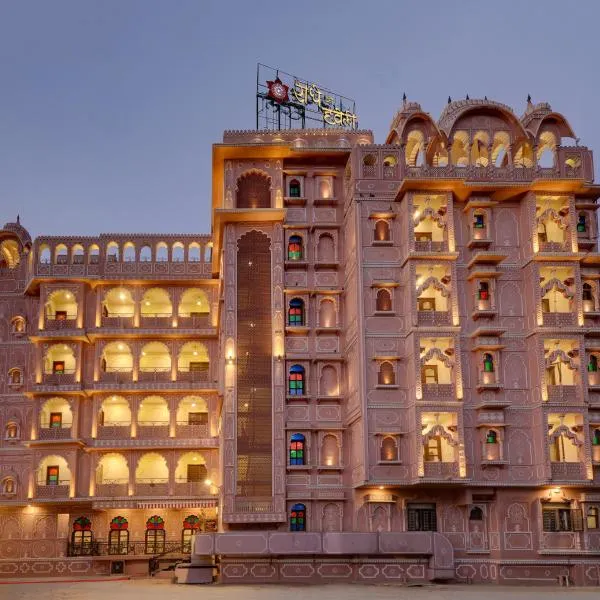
(59, 490)
(152, 487)
(55, 323)
(112, 488)
(441, 470)
(54, 433)
(568, 471)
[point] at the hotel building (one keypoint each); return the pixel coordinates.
(381, 365)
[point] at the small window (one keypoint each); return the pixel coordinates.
(389, 449)
(421, 517)
(587, 293)
(488, 363)
(298, 518)
(545, 305)
(297, 449)
(386, 374)
(581, 223)
(294, 188)
(592, 517)
(295, 248)
(60, 315)
(197, 418)
(426, 304)
(596, 438)
(9, 486)
(52, 475)
(296, 381)
(562, 519)
(296, 313)
(12, 431)
(433, 449)
(476, 514)
(423, 236)
(196, 473)
(491, 437)
(483, 292)
(56, 420)
(58, 367)
(592, 365)
(382, 231)
(383, 302)
(479, 221)
(430, 374)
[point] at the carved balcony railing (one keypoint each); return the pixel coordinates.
(116, 375)
(441, 470)
(433, 318)
(183, 487)
(198, 375)
(65, 378)
(568, 471)
(430, 246)
(185, 430)
(54, 433)
(114, 431)
(152, 487)
(53, 324)
(113, 321)
(158, 375)
(253, 505)
(103, 548)
(441, 391)
(562, 393)
(554, 246)
(53, 491)
(156, 321)
(194, 322)
(112, 488)
(559, 319)
(153, 429)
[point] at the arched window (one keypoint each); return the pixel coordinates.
(295, 248)
(208, 252)
(128, 252)
(326, 248)
(384, 301)
(145, 254)
(194, 252)
(476, 514)
(155, 535)
(15, 377)
(162, 252)
(61, 255)
(327, 316)
(478, 221)
(491, 437)
(488, 363)
(592, 365)
(588, 292)
(296, 381)
(330, 451)
(592, 517)
(389, 449)
(112, 252)
(177, 252)
(294, 190)
(296, 313)
(9, 487)
(45, 255)
(77, 254)
(298, 518)
(297, 449)
(81, 537)
(382, 231)
(254, 191)
(18, 325)
(191, 525)
(581, 223)
(118, 536)
(12, 431)
(94, 255)
(386, 374)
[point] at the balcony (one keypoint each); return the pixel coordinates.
(153, 429)
(67, 377)
(430, 246)
(568, 471)
(183, 487)
(158, 321)
(194, 375)
(158, 375)
(152, 487)
(441, 391)
(562, 393)
(554, 246)
(117, 375)
(559, 319)
(433, 318)
(185, 430)
(112, 321)
(253, 505)
(114, 431)
(111, 489)
(53, 491)
(194, 322)
(441, 470)
(136, 548)
(54, 324)
(54, 433)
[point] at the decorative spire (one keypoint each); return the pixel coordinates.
(449, 99)
(485, 98)
(528, 98)
(18, 220)
(404, 97)
(467, 98)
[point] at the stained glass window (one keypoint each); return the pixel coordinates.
(296, 313)
(296, 381)
(295, 248)
(52, 475)
(297, 442)
(298, 518)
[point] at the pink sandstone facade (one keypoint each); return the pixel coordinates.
(381, 366)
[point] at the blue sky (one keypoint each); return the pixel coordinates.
(108, 109)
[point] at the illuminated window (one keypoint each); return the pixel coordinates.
(295, 248)
(587, 293)
(384, 301)
(389, 449)
(52, 475)
(592, 517)
(488, 363)
(297, 449)
(429, 374)
(386, 374)
(426, 304)
(298, 518)
(81, 537)
(433, 449)
(592, 365)
(118, 536)
(562, 518)
(479, 221)
(294, 188)
(56, 420)
(483, 292)
(191, 525)
(296, 381)
(58, 367)
(12, 431)
(155, 535)
(581, 223)
(296, 313)
(382, 231)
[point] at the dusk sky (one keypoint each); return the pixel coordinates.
(108, 110)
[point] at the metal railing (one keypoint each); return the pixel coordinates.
(136, 548)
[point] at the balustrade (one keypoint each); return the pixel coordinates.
(53, 491)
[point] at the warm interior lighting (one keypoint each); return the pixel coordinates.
(122, 296)
(208, 482)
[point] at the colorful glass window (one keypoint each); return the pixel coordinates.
(297, 455)
(295, 248)
(592, 366)
(118, 537)
(52, 475)
(56, 420)
(581, 223)
(488, 363)
(484, 290)
(155, 535)
(294, 188)
(491, 437)
(296, 313)
(298, 518)
(58, 367)
(191, 525)
(596, 438)
(296, 381)
(479, 221)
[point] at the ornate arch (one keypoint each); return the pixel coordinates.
(557, 284)
(430, 213)
(566, 432)
(436, 353)
(439, 431)
(562, 356)
(550, 214)
(436, 284)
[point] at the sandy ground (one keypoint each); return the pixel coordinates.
(164, 590)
